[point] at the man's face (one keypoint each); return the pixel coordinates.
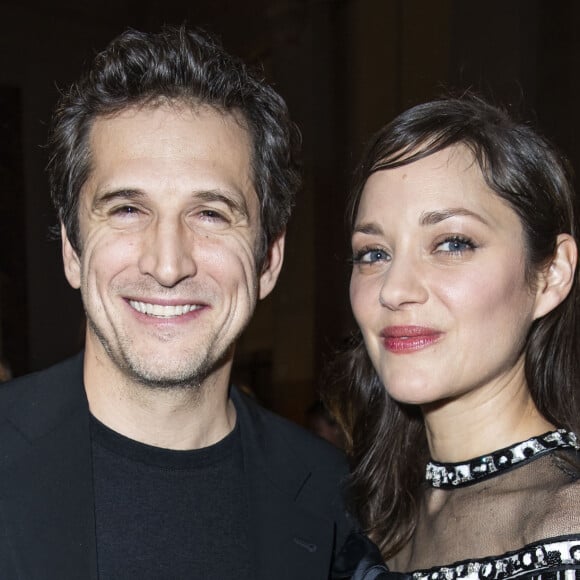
(169, 225)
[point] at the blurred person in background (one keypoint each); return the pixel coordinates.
(5, 370)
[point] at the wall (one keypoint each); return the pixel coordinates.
(345, 67)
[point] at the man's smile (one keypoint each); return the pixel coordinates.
(163, 310)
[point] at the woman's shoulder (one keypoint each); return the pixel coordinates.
(567, 463)
(558, 514)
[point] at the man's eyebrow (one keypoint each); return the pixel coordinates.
(236, 203)
(106, 197)
(430, 218)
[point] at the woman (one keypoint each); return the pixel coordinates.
(462, 394)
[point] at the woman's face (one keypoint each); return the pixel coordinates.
(438, 285)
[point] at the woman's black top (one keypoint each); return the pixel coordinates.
(514, 513)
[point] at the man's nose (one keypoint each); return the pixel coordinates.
(403, 284)
(167, 253)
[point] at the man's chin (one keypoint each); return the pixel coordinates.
(156, 377)
(154, 373)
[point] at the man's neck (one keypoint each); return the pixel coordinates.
(172, 418)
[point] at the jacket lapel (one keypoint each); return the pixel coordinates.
(46, 505)
(290, 540)
(290, 543)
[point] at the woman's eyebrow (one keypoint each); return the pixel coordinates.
(430, 218)
(369, 228)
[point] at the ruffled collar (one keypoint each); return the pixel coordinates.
(453, 475)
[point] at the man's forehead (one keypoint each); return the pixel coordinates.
(193, 128)
(133, 143)
(180, 107)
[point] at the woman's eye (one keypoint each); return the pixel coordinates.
(455, 245)
(371, 256)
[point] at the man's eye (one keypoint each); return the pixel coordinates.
(214, 216)
(370, 256)
(125, 210)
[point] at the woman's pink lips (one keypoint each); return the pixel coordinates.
(407, 339)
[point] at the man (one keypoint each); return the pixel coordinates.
(172, 170)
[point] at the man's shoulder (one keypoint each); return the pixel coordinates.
(33, 409)
(67, 369)
(51, 385)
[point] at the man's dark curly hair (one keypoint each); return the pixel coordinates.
(178, 66)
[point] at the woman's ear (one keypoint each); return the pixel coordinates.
(555, 281)
(72, 265)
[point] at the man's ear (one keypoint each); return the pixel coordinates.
(555, 281)
(272, 266)
(71, 261)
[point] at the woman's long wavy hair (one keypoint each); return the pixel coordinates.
(387, 441)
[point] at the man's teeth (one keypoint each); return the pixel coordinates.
(162, 311)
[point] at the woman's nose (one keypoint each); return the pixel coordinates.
(403, 284)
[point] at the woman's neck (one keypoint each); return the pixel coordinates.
(484, 420)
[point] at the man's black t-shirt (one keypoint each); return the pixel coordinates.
(163, 514)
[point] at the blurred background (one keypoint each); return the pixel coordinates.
(345, 67)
